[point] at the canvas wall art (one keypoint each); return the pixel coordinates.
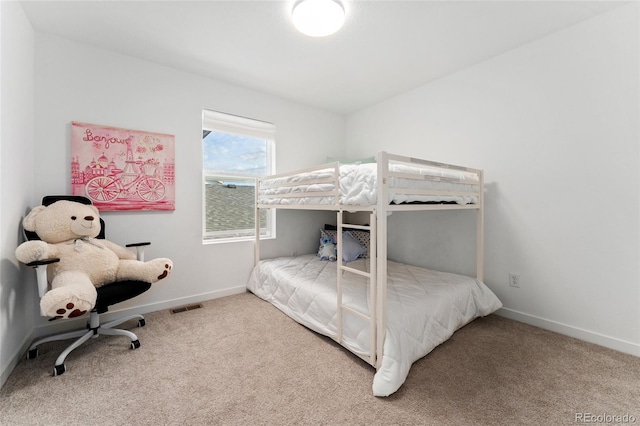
(122, 169)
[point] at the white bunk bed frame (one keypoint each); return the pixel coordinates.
(377, 273)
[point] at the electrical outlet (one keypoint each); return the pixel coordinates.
(514, 279)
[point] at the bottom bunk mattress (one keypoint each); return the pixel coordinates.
(424, 307)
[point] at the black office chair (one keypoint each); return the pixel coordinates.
(108, 294)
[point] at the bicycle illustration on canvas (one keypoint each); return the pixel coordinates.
(121, 169)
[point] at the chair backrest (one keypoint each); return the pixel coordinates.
(50, 199)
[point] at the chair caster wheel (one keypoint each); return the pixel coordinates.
(135, 344)
(32, 354)
(59, 369)
(142, 323)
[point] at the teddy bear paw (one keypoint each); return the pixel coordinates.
(154, 270)
(69, 311)
(166, 266)
(63, 308)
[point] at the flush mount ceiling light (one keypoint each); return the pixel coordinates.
(318, 18)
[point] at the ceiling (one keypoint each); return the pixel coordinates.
(385, 47)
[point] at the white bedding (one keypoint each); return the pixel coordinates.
(425, 307)
(358, 186)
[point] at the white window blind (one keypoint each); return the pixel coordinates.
(213, 120)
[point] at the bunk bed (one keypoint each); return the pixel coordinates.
(387, 313)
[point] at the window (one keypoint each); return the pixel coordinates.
(235, 151)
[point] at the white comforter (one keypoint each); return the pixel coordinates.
(425, 307)
(358, 186)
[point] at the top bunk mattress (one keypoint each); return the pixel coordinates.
(358, 186)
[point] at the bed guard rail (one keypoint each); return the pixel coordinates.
(319, 183)
(406, 176)
(402, 177)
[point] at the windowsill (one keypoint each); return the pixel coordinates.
(233, 240)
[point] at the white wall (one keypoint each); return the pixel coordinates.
(555, 126)
(17, 300)
(76, 82)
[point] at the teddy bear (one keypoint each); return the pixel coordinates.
(328, 250)
(68, 231)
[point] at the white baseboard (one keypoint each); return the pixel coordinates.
(169, 304)
(61, 326)
(74, 324)
(571, 331)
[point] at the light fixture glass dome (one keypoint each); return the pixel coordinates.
(318, 18)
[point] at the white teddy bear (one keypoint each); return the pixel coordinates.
(67, 230)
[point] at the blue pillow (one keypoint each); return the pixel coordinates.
(351, 248)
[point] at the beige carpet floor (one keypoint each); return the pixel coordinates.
(239, 360)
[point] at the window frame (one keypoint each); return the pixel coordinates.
(246, 127)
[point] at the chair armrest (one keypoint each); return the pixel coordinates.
(139, 249)
(43, 262)
(138, 244)
(41, 273)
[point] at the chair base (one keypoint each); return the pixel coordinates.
(94, 330)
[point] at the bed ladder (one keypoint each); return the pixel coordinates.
(371, 275)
